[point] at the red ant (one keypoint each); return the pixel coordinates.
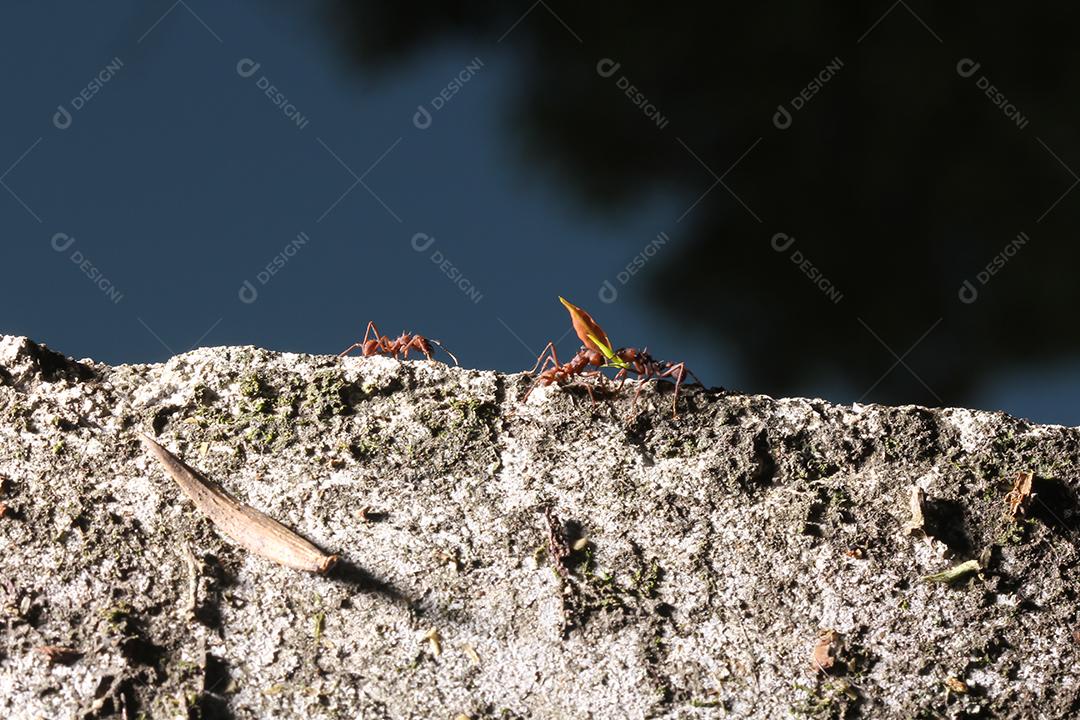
(647, 367)
(375, 343)
(597, 352)
(562, 373)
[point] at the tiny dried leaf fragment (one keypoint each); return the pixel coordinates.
(957, 686)
(471, 653)
(917, 524)
(1020, 496)
(956, 573)
(434, 641)
(58, 655)
(826, 651)
(249, 527)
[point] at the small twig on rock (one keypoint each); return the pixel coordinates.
(254, 530)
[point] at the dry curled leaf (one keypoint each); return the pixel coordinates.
(957, 686)
(826, 651)
(585, 326)
(1020, 496)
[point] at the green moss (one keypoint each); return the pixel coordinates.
(262, 436)
(836, 698)
(325, 395)
(252, 386)
(646, 580)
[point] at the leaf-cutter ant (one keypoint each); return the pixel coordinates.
(597, 353)
(375, 343)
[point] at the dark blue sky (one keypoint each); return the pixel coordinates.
(178, 179)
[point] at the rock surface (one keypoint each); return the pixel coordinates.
(752, 557)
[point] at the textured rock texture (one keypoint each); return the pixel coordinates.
(752, 557)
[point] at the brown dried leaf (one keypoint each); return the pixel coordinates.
(57, 654)
(1020, 496)
(826, 651)
(584, 326)
(917, 524)
(957, 686)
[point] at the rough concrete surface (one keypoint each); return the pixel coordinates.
(753, 557)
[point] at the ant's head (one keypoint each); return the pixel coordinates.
(627, 354)
(594, 357)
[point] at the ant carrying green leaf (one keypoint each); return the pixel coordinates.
(597, 353)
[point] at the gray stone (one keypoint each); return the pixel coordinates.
(500, 559)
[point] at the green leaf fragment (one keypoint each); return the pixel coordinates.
(613, 360)
(955, 573)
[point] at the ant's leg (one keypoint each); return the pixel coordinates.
(679, 372)
(372, 330)
(549, 362)
(376, 343)
(589, 386)
(417, 343)
(637, 393)
(362, 343)
(550, 347)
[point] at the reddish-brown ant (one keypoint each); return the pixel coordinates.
(647, 368)
(552, 371)
(375, 343)
(597, 353)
